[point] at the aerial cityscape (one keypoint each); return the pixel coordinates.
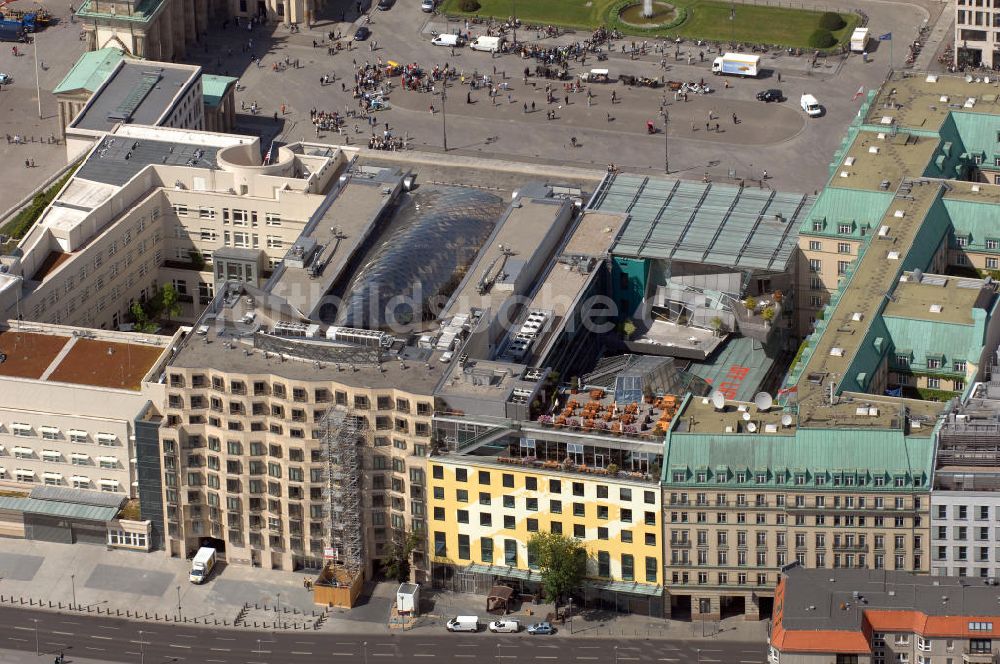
(568, 331)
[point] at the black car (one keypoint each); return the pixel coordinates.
(362, 34)
(386, 4)
(770, 95)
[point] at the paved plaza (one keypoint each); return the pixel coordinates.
(780, 139)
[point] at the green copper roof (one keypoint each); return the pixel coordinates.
(90, 71)
(947, 342)
(837, 206)
(214, 88)
(142, 11)
(871, 453)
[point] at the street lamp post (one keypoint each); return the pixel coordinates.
(666, 140)
(698, 652)
(178, 602)
(616, 654)
(258, 649)
(444, 112)
(364, 652)
(142, 649)
(37, 650)
(498, 653)
(72, 580)
(277, 607)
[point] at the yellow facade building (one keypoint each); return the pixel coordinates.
(483, 512)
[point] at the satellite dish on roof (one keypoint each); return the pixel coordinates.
(718, 400)
(763, 400)
(752, 427)
(917, 275)
(786, 420)
(746, 416)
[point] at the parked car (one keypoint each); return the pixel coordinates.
(362, 34)
(509, 626)
(463, 624)
(541, 628)
(5, 78)
(770, 95)
(427, 5)
(386, 4)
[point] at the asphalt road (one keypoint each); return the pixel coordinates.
(116, 640)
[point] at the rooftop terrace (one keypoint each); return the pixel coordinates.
(938, 299)
(107, 360)
(879, 161)
(136, 93)
(709, 223)
(922, 101)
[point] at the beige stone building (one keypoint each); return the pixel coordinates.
(155, 29)
(153, 205)
(70, 403)
(243, 460)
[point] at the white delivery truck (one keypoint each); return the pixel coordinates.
(810, 105)
(737, 64)
(859, 40)
(463, 624)
(202, 564)
(489, 44)
(447, 40)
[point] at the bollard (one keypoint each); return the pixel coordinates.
(156, 616)
(50, 604)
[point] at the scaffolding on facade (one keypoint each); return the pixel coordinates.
(342, 435)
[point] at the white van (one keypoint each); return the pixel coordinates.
(463, 624)
(810, 105)
(490, 44)
(447, 40)
(504, 626)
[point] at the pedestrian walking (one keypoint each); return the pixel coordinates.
(27, 164)
(779, 77)
(707, 127)
(716, 127)
(532, 106)
(735, 120)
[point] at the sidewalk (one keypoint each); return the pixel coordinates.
(156, 588)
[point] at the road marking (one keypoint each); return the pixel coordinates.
(668, 659)
(14, 638)
(129, 652)
(186, 636)
(586, 658)
(89, 648)
(63, 633)
(102, 638)
(69, 622)
(220, 649)
(342, 654)
(106, 627)
(305, 643)
(215, 660)
(174, 645)
(300, 652)
(422, 655)
(223, 638)
(24, 629)
(544, 657)
(590, 647)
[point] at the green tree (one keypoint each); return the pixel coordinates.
(562, 562)
(169, 306)
(398, 564)
(140, 319)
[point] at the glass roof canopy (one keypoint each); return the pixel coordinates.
(696, 222)
(439, 231)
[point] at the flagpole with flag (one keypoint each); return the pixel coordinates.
(888, 37)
